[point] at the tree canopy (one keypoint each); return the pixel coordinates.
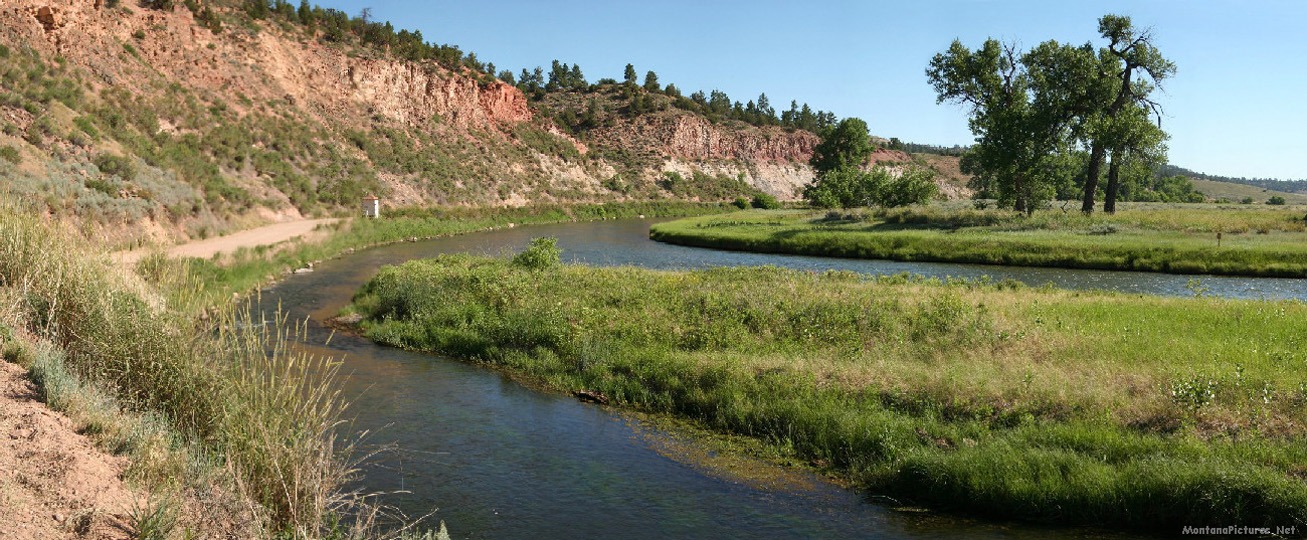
(846, 145)
(1036, 113)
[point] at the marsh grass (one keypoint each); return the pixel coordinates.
(1182, 239)
(984, 397)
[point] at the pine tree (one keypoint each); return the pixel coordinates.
(306, 13)
(651, 82)
(629, 77)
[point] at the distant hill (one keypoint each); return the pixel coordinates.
(1288, 186)
(1236, 192)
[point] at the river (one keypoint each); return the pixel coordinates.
(497, 459)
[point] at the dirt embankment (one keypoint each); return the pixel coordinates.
(54, 483)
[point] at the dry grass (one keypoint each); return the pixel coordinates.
(230, 401)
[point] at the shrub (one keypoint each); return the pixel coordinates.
(87, 126)
(741, 203)
(1276, 200)
(765, 201)
(850, 187)
(1246, 200)
(542, 254)
(10, 154)
(115, 165)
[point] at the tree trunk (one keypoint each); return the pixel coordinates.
(1019, 202)
(1113, 171)
(1096, 153)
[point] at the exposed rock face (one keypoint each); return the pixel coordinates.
(685, 136)
(263, 66)
(694, 137)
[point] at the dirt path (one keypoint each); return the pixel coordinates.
(54, 484)
(262, 236)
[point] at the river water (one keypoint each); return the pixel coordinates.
(496, 459)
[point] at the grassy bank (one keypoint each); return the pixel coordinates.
(249, 268)
(222, 412)
(1181, 239)
(990, 398)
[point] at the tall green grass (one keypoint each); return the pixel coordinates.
(981, 397)
(267, 415)
(1182, 239)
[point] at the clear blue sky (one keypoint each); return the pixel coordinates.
(1237, 105)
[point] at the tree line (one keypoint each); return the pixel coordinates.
(1049, 119)
(716, 105)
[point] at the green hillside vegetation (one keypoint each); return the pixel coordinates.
(1183, 239)
(1237, 193)
(1061, 406)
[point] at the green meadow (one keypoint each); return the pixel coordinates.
(991, 398)
(1171, 238)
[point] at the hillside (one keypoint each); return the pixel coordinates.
(1237, 192)
(155, 125)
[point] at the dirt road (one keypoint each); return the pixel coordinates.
(262, 236)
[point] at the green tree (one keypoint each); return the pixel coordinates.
(1022, 108)
(1133, 140)
(629, 77)
(1131, 67)
(847, 145)
(850, 188)
(839, 188)
(257, 9)
(651, 82)
(765, 110)
(305, 13)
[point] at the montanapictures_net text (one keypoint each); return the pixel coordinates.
(1240, 530)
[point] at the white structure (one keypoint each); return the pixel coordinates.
(371, 206)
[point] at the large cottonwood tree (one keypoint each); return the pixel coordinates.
(1131, 68)
(1032, 113)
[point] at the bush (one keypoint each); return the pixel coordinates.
(1246, 200)
(10, 154)
(849, 188)
(765, 201)
(542, 254)
(115, 165)
(741, 203)
(1276, 200)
